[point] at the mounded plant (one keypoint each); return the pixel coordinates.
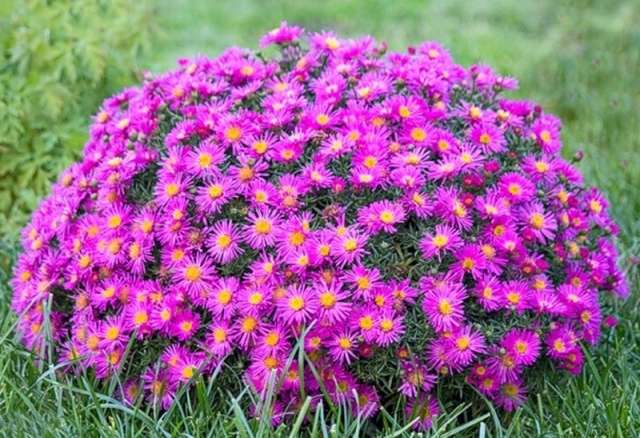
(361, 228)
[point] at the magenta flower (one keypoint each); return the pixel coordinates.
(442, 304)
(443, 239)
(297, 306)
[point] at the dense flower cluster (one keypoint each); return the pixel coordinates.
(360, 206)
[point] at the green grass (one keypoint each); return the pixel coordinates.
(578, 59)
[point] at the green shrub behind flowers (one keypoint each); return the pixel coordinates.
(371, 229)
(58, 60)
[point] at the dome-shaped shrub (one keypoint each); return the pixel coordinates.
(390, 216)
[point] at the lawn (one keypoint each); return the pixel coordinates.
(578, 59)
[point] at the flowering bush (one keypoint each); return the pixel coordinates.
(391, 217)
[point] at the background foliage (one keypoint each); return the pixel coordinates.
(578, 58)
(58, 60)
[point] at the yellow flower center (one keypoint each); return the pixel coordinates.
(510, 390)
(327, 299)
(515, 189)
(366, 322)
(255, 298)
(249, 324)
(233, 133)
(440, 240)
(513, 297)
(545, 136)
(224, 296)
(468, 263)
(541, 166)
(350, 245)
(219, 335)
(140, 317)
(223, 240)
(387, 217)
(363, 283)
(463, 343)
(386, 325)
(272, 339)
(296, 238)
(263, 226)
(322, 119)
(204, 160)
(187, 372)
(445, 307)
(537, 221)
(344, 343)
(260, 147)
(192, 273)
(245, 173)
(296, 303)
(404, 111)
(165, 314)
(521, 346)
(215, 191)
(186, 326)
(114, 221)
(112, 333)
(84, 261)
(418, 134)
(172, 189)
(270, 362)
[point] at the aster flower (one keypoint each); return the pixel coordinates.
(284, 34)
(363, 320)
(487, 291)
(522, 345)
(442, 305)
(367, 401)
(512, 395)
(333, 305)
(297, 306)
(219, 338)
(469, 260)
(246, 329)
(262, 228)
(195, 273)
(516, 188)
(114, 332)
(224, 242)
(349, 247)
(160, 390)
(539, 223)
(424, 409)
(488, 137)
(205, 159)
(416, 379)
(443, 239)
(342, 347)
(386, 215)
(516, 295)
(390, 328)
(215, 193)
(223, 296)
(561, 342)
(184, 325)
(464, 344)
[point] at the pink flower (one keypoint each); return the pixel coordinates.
(298, 305)
(443, 239)
(442, 304)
